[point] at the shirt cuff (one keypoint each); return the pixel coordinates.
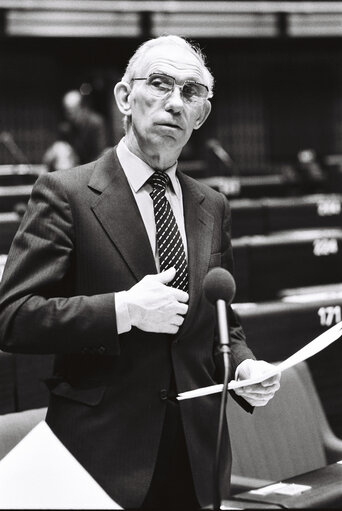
(123, 320)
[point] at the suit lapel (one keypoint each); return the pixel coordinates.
(199, 231)
(118, 213)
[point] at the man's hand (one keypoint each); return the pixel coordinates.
(155, 307)
(258, 394)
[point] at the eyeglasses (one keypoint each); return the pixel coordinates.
(161, 85)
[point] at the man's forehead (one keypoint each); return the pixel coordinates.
(171, 58)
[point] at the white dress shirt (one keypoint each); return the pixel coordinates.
(137, 173)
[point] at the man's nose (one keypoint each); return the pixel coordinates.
(175, 101)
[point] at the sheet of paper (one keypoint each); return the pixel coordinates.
(40, 473)
(282, 489)
(313, 347)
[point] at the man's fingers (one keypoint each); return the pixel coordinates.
(273, 380)
(181, 308)
(178, 320)
(258, 390)
(166, 276)
(179, 295)
(257, 395)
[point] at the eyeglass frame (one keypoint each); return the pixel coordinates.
(175, 83)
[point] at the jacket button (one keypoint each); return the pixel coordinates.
(163, 394)
(101, 350)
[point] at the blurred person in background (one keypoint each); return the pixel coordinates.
(82, 128)
(60, 156)
(107, 272)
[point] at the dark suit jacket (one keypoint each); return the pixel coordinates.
(81, 240)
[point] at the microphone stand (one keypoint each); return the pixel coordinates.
(224, 349)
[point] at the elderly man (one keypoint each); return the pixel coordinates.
(106, 271)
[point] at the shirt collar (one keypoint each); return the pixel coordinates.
(138, 172)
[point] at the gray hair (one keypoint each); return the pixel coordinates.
(165, 39)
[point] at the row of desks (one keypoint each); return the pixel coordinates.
(265, 266)
(268, 215)
(249, 216)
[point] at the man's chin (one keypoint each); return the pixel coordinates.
(168, 140)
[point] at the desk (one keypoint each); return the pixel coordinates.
(269, 215)
(22, 174)
(284, 260)
(326, 491)
(10, 196)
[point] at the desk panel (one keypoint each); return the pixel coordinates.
(16, 175)
(285, 260)
(11, 196)
(303, 212)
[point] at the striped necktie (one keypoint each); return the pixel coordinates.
(169, 241)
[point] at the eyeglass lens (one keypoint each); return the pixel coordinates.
(163, 84)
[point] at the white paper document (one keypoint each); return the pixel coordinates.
(40, 473)
(313, 347)
(282, 489)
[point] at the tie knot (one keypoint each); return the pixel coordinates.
(159, 180)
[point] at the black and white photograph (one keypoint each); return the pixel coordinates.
(170, 254)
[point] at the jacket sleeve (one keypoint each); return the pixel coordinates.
(38, 311)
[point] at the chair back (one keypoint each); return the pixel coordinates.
(14, 426)
(284, 438)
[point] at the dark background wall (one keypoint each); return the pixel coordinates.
(273, 97)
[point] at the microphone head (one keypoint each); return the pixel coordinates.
(219, 285)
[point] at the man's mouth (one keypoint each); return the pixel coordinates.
(169, 125)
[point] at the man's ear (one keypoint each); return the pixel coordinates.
(122, 91)
(203, 115)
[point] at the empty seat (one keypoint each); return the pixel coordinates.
(275, 330)
(288, 437)
(15, 426)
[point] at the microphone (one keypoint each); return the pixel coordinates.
(219, 288)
